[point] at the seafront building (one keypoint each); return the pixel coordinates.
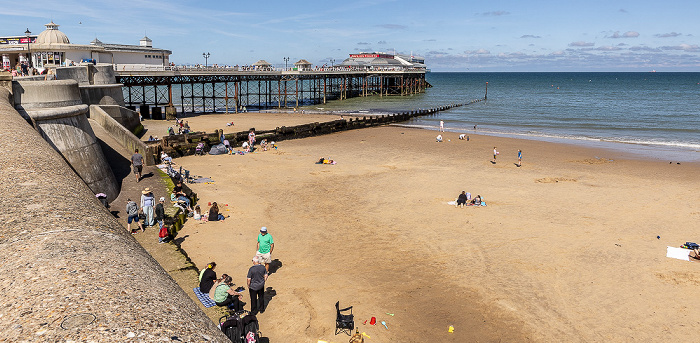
(383, 60)
(52, 48)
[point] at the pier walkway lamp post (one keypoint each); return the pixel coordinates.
(206, 58)
(286, 59)
(332, 61)
(29, 52)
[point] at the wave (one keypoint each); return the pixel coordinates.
(549, 136)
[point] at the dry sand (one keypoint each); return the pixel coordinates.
(566, 249)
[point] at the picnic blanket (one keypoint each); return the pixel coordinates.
(204, 298)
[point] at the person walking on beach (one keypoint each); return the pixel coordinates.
(160, 212)
(137, 162)
(147, 203)
(442, 126)
(265, 247)
(495, 153)
(257, 275)
(520, 158)
(132, 213)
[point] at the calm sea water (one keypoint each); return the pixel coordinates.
(655, 114)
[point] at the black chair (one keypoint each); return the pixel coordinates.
(344, 322)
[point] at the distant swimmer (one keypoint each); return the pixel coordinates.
(474, 127)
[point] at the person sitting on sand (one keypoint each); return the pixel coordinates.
(207, 277)
(245, 146)
(438, 138)
(224, 295)
(476, 201)
(214, 214)
(197, 213)
(263, 144)
(462, 199)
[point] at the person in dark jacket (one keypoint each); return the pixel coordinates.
(214, 214)
(207, 278)
(160, 212)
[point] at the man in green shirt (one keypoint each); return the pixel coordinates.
(265, 247)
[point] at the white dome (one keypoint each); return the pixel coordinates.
(52, 35)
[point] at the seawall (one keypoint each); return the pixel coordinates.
(69, 270)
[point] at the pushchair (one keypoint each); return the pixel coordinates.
(199, 150)
(240, 327)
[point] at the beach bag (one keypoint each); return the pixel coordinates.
(163, 232)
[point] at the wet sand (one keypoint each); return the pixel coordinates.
(566, 249)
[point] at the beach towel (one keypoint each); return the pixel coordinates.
(678, 253)
(202, 180)
(204, 298)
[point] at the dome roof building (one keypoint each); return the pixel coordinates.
(52, 35)
(52, 48)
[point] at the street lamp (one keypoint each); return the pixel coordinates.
(332, 61)
(29, 53)
(286, 59)
(206, 58)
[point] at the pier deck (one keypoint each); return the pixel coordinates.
(202, 90)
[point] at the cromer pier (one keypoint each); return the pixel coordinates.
(206, 90)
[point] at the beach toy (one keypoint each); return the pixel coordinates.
(384, 323)
(391, 314)
(366, 335)
(209, 204)
(658, 237)
(365, 322)
(373, 321)
(451, 329)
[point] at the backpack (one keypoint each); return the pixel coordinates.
(163, 232)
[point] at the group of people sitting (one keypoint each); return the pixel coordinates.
(465, 199)
(212, 215)
(225, 293)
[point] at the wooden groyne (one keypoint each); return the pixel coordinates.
(185, 144)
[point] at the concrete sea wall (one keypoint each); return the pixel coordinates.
(120, 133)
(57, 112)
(70, 271)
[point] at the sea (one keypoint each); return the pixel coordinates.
(651, 114)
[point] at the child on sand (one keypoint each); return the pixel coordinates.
(495, 152)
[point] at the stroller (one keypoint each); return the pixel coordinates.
(199, 150)
(240, 327)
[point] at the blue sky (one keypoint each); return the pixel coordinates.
(451, 35)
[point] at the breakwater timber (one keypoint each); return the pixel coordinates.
(186, 144)
(69, 270)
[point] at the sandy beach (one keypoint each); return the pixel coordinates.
(565, 250)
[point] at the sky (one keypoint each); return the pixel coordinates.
(453, 35)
